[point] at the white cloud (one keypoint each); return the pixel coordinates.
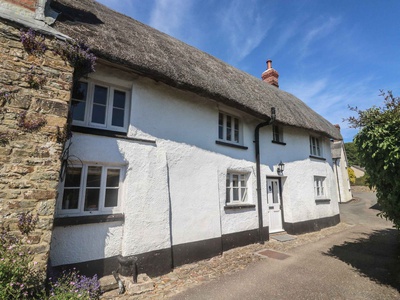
(331, 98)
(244, 27)
(317, 32)
(169, 16)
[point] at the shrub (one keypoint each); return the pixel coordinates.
(18, 278)
(71, 285)
(352, 176)
(33, 43)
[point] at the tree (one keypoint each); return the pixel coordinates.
(352, 154)
(378, 145)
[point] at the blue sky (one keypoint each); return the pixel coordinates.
(330, 54)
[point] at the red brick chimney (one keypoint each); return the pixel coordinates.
(270, 75)
(29, 4)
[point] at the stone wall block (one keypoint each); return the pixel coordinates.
(39, 194)
(50, 107)
(46, 208)
(21, 102)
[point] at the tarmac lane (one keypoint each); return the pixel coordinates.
(360, 262)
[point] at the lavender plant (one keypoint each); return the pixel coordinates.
(33, 43)
(30, 123)
(27, 222)
(72, 285)
(78, 55)
(34, 79)
(18, 278)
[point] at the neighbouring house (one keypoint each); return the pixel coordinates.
(177, 156)
(340, 169)
(358, 171)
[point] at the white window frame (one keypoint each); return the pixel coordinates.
(316, 146)
(80, 210)
(320, 191)
(87, 120)
(243, 197)
(277, 132)
(230, 134)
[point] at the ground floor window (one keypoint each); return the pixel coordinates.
(90, 189)
(236, 188)
(319, 187)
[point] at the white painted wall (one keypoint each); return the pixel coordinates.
(178, 185)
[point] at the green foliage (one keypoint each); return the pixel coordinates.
(352, 176)
(18, 277)
(378, 145)
(352, 154)
(363, 181)
(70, 285)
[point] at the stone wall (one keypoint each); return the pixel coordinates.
(30, 161)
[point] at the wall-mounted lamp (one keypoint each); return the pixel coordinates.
(281, 168)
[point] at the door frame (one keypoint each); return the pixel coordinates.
(280, 195)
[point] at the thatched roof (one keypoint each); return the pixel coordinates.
(125, 41)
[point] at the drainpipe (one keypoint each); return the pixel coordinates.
(258, 167)
(337, 180)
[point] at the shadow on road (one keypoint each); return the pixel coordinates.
(376, 256)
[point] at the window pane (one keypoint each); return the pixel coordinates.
(244, 194)
(235, 180)
(119, 99)
(78, 110)
(228, 128)
(79, 91)
(235, 194)
(70, 199)
(111, 198)
(221, 126)
(118, 117)
(236, 132)
(99, 114)
(92, 199)
(100, 95)
(93, 177)
(73, 177)
(112, 177)
(228, 195)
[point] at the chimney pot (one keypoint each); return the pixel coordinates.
(270, 75)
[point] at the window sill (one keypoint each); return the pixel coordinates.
(322, 201)
(318, 157)
(239, 206)
(108, 133)
(279, 143)
(81, 220)
(231, 145)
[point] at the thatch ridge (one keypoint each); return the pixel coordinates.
(123, 40)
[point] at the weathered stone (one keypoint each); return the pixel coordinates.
(29, 164)
(46, 208)
(39, 194)
(50, 107)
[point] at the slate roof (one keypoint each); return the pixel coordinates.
(147, 51)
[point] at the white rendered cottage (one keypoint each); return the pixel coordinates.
(173, 156)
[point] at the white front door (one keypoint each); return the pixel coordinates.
(274, 205)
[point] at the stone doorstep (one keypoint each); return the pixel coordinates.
(110, 286)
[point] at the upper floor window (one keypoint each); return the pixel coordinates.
(229, 128)
(315, 146)
(319, 187)
(100, 106)
(90, 189)
(236, 188)
(277, 134)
